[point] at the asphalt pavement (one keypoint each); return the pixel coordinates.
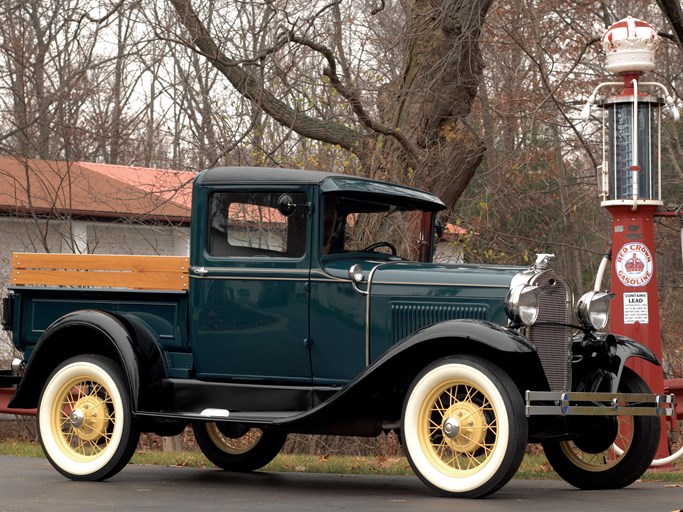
(28, 484)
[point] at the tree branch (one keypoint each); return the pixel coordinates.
(352, 97)
(251, 88)
(104, 18)
(673, 12)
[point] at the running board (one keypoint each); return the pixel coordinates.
(558, 403)
(258, 417)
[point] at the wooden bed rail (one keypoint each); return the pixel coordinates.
(101, 270)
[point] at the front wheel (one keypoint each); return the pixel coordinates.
(234, 447)
(594, 461)
(85, 422)
(463, 427)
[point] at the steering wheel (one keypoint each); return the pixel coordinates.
(376, 245)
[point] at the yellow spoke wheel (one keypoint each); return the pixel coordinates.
(464, 427)
(616, 462)
(236, 447)
(603, 460)
(84, 419)
(458, 428)
(83, 416)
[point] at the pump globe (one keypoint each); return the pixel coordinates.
(630, 46)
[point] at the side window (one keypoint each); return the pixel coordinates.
(245, 224)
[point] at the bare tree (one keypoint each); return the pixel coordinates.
(416, 131)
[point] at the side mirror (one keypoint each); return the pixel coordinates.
(286, 205)
(356, 273)
(357, 276)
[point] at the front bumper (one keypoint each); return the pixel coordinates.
(558, 403)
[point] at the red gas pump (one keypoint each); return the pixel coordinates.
(631, 188)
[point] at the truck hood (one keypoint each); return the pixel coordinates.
(417, 294)
(427, 274)
(434, 274)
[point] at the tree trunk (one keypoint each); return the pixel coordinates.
(441, 75)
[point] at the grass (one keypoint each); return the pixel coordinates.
(534, 466)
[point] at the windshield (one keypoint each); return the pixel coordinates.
(359, 225)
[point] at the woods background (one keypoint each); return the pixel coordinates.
(475, 100)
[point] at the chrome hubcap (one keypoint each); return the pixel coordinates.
(77, 418)
(451, 428)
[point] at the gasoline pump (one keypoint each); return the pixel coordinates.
(630, 183)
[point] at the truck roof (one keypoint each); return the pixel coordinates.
(327, 181)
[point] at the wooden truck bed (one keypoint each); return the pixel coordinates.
(101, 270)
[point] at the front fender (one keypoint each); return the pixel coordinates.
(503, 346)
(382, 385)
(106, 335)
(485, 333)
(598, 362)
(628, 348)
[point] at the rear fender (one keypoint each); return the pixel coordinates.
(123, 339)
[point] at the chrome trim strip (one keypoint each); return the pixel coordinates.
(454, 285)
(330, 280)
(244, 278)
(368, 296)
(323, 276)
(246, 270)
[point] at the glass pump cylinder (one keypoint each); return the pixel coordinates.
(633, 176)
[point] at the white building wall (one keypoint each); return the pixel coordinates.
(449, 252)
(117, 238)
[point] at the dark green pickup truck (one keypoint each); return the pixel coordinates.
(310, 304)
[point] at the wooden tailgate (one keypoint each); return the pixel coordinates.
(101, 270)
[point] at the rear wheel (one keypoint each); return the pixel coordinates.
(85, 421)
(235, 447)
(592, 461)
(463, 427)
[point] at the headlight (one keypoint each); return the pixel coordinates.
(521, 304)
(593, 309)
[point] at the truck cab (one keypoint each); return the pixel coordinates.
(270, 263)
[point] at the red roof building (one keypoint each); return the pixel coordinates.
(83, 207)
(97, 191)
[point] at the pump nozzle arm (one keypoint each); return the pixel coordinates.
(673, 111)
(586, 111)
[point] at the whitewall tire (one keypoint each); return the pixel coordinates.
(85, 421)
(463, 427)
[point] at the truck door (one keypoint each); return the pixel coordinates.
(249, 291)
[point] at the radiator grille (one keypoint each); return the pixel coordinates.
(408, 318)
(554, 342)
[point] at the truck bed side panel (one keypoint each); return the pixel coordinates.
(164, 312)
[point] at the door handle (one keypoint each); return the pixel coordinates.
(198, 271)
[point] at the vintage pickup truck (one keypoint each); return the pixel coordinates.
(310, 304)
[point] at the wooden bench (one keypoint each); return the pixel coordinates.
(101, 270)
